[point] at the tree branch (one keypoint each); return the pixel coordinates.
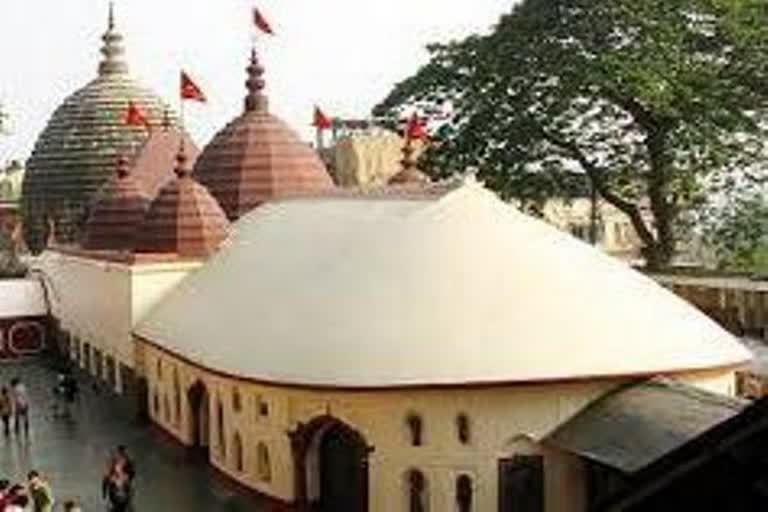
(596, 176)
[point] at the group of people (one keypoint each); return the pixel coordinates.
(36, 494)
(14, 404)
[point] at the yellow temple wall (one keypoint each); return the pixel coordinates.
(504, 421)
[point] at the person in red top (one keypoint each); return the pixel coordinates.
(5, 498)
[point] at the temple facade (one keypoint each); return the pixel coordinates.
(426, 368)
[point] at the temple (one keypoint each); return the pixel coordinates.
(75, 154)
(415, 346)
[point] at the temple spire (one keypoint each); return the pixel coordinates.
(112, 50)
(123, 170)
(182, 169)
(256, 100)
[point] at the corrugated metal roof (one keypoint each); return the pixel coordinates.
(636, 425)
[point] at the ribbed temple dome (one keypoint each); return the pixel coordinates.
(75, 153)
(258, 157)
(117, 212)
(183, 219)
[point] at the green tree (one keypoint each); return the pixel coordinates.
(738, 234)
(649, 99)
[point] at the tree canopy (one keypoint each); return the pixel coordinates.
(739, 234)
(654, 101)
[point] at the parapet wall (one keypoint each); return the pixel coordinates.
(738, 304)
(23, 318)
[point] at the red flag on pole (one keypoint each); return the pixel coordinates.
(416, 129)
(321, 121)
(135, 116)
(189, 89)
(261, 22)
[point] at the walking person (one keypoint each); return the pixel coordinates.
(20, 399)
(117, 490)
(5, 493)
(40, 492)
(122, 459)
(6, 409)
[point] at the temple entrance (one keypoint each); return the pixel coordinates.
(199, 418)
(331, 467)
(521, 484)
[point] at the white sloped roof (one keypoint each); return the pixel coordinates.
(362, 292)
(21, 297)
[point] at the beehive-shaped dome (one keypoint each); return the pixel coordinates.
(117, 212)
(75, 153)
(258, 157)
(183, 219)
(460, 289)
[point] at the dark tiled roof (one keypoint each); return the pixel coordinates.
(183, 219)
(257, 157)
(636, 425)
(116, 213)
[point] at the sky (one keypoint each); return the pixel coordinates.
(343, 55)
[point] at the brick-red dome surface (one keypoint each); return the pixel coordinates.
(258, 157)
(117, 211)
(184, 219)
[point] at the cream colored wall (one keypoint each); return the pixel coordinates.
(619, 236)
(367, 160)
(99, 301)
(503, 421)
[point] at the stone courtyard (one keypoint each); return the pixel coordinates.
(73, 453)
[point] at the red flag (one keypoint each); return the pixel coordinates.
(261, 22)
(190, 90)
(135, 116)
(321, 121)
(417, 129)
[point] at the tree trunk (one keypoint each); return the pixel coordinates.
(660, 253)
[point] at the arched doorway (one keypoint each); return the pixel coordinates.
(331, 464)
(198, 399)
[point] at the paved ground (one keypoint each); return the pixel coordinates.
(73, 454)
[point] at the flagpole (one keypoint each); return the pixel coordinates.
(182, 126)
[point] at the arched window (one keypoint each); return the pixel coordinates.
(156, 403)
(263, 468)
(159, 369)
(418, 492)
(462, 428)
(236, 402)
(415, 427)
(464, 493)
(237, 448)
(220, 428)
(176, 397)
(166, 408)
